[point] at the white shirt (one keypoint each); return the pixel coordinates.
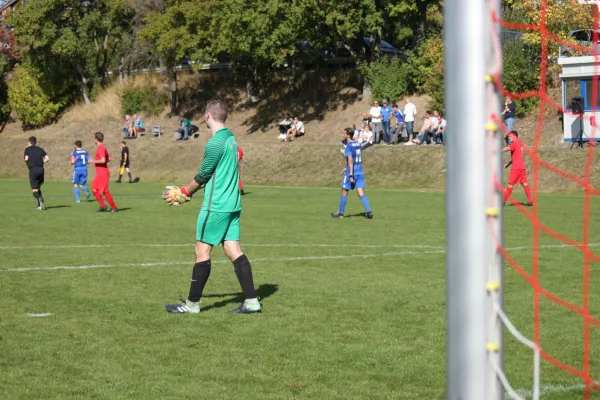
(410, 111)
(376, 114)
(300, 126)
(434, 123)
(366, 136)
(443, 123)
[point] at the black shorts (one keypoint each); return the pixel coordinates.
(126, 164)
(36, 177)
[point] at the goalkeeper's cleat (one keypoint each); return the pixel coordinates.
(369, 215)
(185, 307)
(337, 215)
(247, 308)
(112, 210)
(102, 209)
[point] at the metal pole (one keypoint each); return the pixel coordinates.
(495, 263)
(465, 41)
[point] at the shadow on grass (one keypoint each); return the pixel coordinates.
(59, 206)
(308, 95)
(263, 291)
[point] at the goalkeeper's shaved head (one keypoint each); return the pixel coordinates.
(218, 110)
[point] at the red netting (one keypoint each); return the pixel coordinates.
(584, 182)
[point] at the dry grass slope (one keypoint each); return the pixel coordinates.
(326, 101)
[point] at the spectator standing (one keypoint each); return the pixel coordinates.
(184, 128)
(375, 114)
(510, 108)
(386, 115)
(410, 112)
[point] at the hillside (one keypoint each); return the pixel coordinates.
(327, 103)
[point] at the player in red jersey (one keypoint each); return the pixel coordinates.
(100, 184)
(518, 174)
(240, 157)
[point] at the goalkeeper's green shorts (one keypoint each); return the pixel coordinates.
(216, 227)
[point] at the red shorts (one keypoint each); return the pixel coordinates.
(517, 176)
(100, 183)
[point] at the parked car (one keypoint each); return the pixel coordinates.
(583, 37)
(385, 48)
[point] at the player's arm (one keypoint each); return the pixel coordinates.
(73, 159)
(46, 158)
(351, 168)
(212, 154)
(101, 160)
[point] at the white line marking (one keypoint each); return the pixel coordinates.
(47, 314)
(91, 246)
(163, 264)
(548, 389)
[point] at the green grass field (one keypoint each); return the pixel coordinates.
(353, 308)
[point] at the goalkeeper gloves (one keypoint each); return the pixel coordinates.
(175, 196)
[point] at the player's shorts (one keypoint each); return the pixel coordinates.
(359, 182)
(36, 177)
(80, 176)
(100, 183)
(216, 227)
(126, 163)
(517, 176)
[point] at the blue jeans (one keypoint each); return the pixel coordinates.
(409, 128)
(183, 133)
(386, 131)
(510, 123)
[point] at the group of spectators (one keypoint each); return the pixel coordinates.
(133, 127)
(378, 125)
(290, 129)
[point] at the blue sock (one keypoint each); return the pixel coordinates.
(76, 192)
(365, 202)
(342, 204)
(84, 188)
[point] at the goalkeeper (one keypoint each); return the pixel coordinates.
(219, 219)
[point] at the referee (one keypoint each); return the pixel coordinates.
(35, 157)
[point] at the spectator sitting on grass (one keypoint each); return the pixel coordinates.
(284, 126)
(184, 128)
(424, 132)
(295, 131)
(128, 128)
(366, 136)
(440, 134)
(138, 124)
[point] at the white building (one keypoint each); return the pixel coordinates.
(576, 77)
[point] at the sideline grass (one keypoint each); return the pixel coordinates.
(360, 315)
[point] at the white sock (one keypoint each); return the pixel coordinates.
(191, 304)
(251, 302)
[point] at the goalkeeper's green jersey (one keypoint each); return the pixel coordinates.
(220, 173)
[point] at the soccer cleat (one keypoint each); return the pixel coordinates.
(369, 215)
(39, 208)
(42, 206)
(246, 308)
(77, 201)
(118, 181)
(112, 210)
(102, 209)
(183, 308)
(87, 195)
(337, 215)
(530, 204)
(242, 193)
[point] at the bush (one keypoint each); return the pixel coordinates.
(521, 72)
(427, 70)
(387, 77)
(147, 100)
(27, 98)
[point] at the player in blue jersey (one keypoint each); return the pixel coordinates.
(79, 160)
(353, 175)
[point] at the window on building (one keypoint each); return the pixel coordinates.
(589, 104)
(572, 89)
